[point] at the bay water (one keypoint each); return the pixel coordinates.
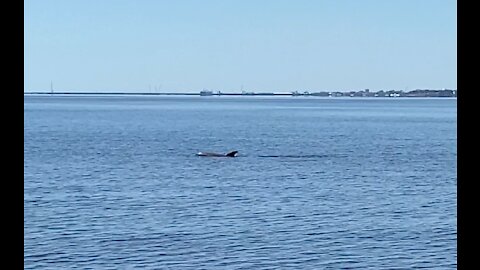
(113, 182)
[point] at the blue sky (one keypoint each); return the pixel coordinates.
(262, 45)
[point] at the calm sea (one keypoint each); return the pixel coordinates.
(319, 183)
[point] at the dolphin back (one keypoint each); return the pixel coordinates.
(210, 154)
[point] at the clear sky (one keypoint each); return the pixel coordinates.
(262, 45)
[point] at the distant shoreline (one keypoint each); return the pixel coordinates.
(149, 94)
(415, 93)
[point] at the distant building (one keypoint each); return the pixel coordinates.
(206, 93)
(359, 94)
(245, 93)
(321, 94)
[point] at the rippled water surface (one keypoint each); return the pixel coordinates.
(114, 183)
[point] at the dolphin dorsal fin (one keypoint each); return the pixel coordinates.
(232, 154)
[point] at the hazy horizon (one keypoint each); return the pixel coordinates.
(230, 46)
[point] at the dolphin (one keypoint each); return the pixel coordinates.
(209, 154)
